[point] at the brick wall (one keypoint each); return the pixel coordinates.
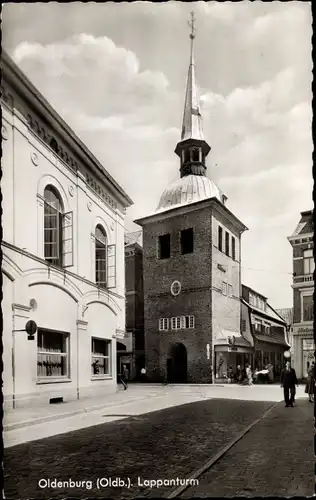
(194, 273)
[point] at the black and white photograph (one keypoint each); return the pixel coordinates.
(157, 250)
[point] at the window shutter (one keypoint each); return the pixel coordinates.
(67, 239)
(161, 323)
(111, 266)
(182, 324)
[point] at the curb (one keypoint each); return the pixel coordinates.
(59, 416)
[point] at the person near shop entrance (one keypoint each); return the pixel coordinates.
(249, 374)
(310, 384)
(124, 377)
(288, 382)
(238, 374)
(143, 374)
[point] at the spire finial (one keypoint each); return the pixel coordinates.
(192, 25)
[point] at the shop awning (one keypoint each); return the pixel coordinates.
(230, 338)
(270, 339)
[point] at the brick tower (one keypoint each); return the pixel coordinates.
(191, 264)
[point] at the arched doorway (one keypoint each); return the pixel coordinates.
(177, 364)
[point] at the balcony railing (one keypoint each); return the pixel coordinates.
(305, 278)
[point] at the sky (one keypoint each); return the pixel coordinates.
(116, 73)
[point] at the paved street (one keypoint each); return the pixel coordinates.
(164, 444)
(167, 436)
(276, 458)
(56, 419)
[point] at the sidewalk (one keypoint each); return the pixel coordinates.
(276, 458)
(24, 417)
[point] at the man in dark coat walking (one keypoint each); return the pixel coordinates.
(288, 382)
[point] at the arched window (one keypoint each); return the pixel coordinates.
(58, 230)
(100, 256)
(53, 223)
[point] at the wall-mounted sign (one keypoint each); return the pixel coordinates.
(308, 344)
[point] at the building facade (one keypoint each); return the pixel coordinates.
(303, 290)
(192, 255)
(131, 351)
(267, 329)
(287, 314)
(63, 254)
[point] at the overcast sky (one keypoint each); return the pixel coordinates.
(116, 73)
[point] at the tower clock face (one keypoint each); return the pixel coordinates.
(175, 288)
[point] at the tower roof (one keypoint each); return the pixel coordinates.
(187, 190)
(192, 125)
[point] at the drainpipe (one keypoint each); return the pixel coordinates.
(13, 362)
(78, 391)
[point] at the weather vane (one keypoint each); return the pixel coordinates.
(192, 25)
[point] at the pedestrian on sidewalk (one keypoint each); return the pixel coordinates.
(124, 377)
(310, 384)
(238, 374)
(143, 374)
(249, 374)
(288, 382)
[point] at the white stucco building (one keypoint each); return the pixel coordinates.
(63, 254)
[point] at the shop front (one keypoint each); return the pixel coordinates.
(304, 347)
(231, 351)
(270, 351)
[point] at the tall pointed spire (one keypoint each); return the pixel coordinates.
(192, 148)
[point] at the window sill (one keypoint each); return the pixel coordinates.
(52, 380)
(102, 377)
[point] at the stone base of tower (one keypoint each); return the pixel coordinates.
(166, 369)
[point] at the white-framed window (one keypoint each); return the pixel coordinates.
(258, 325)
(309, 263)
(58, 230)
(182, 322)
(101, 357)
(191, 322)
(100, 256)
(267, 328)
(224, 288)
(52, 354)
(163, 324)
(105, 260)
(173, 323)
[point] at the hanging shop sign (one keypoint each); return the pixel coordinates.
(31, 329)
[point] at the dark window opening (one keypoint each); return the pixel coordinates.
(220, 238)
(233, 248)
(186, 155)
(100, 257)
(187, 241)
(195, 154)
(227, 243)
(164, 246)
(308, 308)
(53, 226)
